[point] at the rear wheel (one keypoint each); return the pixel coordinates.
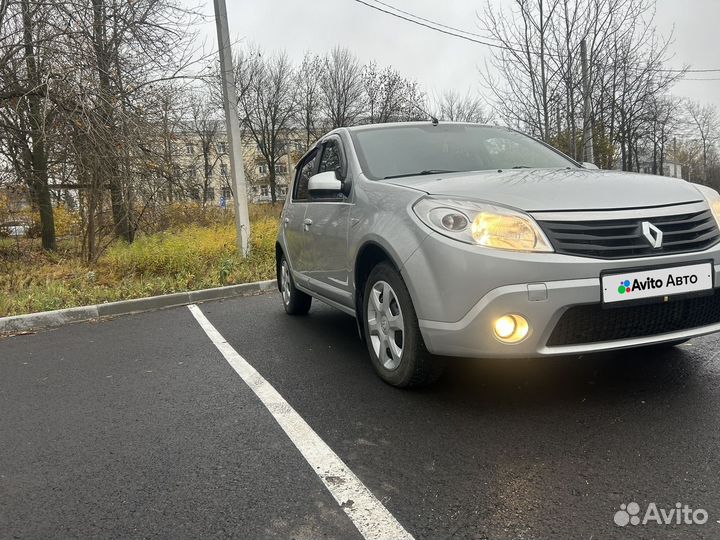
(392, 334)
(295, 301)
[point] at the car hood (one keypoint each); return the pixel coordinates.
(534, 190)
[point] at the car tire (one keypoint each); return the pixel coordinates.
(392, 333)
(295, 301)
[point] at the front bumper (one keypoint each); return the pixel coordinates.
(461, 274)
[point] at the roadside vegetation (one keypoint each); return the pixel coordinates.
(186, 256)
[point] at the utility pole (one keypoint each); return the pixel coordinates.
(288, 148)
(587, 112)
(232, 125)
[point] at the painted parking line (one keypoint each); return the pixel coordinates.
(367, 513)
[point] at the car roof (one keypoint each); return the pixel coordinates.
(364, 127)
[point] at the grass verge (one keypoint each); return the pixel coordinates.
(189, 258)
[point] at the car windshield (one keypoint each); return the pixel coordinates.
(396, 151)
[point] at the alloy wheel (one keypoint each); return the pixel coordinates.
(285, 282)
(386, 325)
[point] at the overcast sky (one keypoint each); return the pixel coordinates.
(438, 61)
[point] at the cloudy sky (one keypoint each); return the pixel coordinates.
(438, 61)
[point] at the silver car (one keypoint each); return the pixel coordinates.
(448, 239)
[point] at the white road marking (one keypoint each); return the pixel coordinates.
(366, 512)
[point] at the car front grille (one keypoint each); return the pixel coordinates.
(623, 238)
(592, 324)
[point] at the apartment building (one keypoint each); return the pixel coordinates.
(204, 163)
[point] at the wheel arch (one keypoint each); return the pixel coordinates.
(370, 254)
(279, 253)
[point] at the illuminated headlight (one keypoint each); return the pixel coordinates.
(482, 224)
(713, 199)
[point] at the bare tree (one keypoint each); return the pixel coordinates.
(206, 128)
(26, 109)
(540, 86)
(341, 88)
(662, 123)
(706, 124)
(530, 78)
(269, 104)
(389, 96)
(309, 97)
(455, 107)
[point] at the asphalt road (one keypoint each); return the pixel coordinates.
(138, 427)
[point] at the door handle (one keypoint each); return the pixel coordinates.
(307, 222)
(286, 221)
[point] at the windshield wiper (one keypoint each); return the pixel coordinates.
(521, 167)
(421, 173)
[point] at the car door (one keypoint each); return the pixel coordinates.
(326, 224)
(296, 238)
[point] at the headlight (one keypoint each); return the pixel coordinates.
(482, 224)
(713, 199)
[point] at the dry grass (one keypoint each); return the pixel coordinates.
(186, 258)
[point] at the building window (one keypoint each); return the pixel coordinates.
(209, 194)
(264, 191)
(192, 171)
(281, 169)
(221, 148)
(262, 169)
(223, 169)
(226, 193)
(189, 148)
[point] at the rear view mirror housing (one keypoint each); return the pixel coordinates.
(325, 181)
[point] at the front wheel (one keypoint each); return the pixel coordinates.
(295, 301)
(392, 334)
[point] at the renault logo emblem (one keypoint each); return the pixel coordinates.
(653, 234)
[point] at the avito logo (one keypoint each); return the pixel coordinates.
(627, 286)
(649, 283)
(624, 287)
(630, 514)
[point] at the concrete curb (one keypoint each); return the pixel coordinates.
(60, 317)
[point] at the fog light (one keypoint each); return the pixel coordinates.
(511, 328)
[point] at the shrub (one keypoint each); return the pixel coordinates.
(195, 255)
(4, 208)
(191, 249)
(67, 223)
(190, 258)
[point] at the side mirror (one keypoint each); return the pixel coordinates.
(588, 165)
(346, 182)
(325, 181)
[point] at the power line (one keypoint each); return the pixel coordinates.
(449, 33)
(434, 22)
(466, 35)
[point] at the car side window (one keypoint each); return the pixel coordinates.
(307, 169)
(330, 160)
(330, 157)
